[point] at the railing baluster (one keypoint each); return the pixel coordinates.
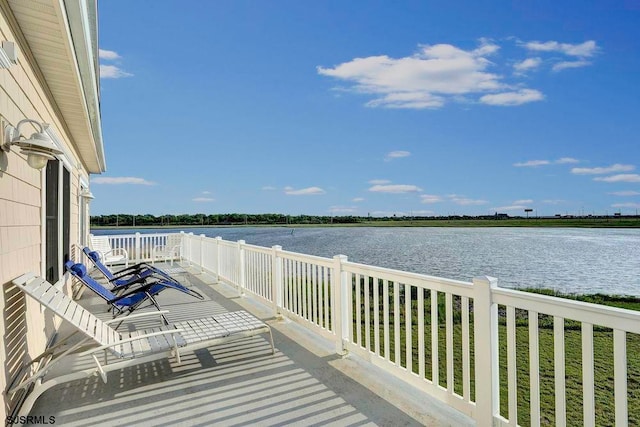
(367, 314)
(376, 315)
(385, 319)
(466, 353)
(421, 344)
(588, 396)
(299, 285)
(449, 340)
(396, 322)
(534, 368)
(358, 309)
(309, 287)
(328, 300)
(559, 370)
(408, 328)
(320, 295)
(512, 380)
(435, 363)
(620, 377)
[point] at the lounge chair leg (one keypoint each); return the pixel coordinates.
(273, 348)
(154, 302)
(101, 371)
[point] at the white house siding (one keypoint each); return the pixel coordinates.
(25, 328)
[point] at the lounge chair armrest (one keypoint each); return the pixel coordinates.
(119, 251)
(126, 340)
(136, 315)
(101, 254)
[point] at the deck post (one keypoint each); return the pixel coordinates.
(241, 266)
(485, 326)
(182, 247)
(340, 303)
(276, 279)
(138, 254)
(190, 240)
(216, 258)
(202, 258)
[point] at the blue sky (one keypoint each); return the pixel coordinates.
(376, 107)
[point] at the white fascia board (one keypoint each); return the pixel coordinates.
(80, 15)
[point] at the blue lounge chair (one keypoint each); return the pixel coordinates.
(132, 297)
(130, 275)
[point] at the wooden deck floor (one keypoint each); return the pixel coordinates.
(241, 383)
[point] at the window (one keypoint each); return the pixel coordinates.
(57, 219)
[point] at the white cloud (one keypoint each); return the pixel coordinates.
(532, 163)
(121, 180)
(112, 72)
(626, 205)
(625, 193)
(566, 160)
(625, 177)
(109, 55)
(527, 64)
(396, 155)
(430, 198)
(202, 199)
(509, 208)
(206, 192)
(342, 209)
(519, 97)
(603, 170)
(586, 49)
(465, 201)
(517, 205)
(379, 181)
(427, 79)
(268, 188)
(421, 213)
(395, 188)
(310, 191)
(569, 64)
(553, 201)
(535, 163)
(388, 213)
(358, 199)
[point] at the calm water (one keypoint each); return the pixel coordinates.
(567, 259)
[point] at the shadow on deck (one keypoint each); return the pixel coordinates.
(241, 383)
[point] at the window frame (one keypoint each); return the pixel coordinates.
(62, 221)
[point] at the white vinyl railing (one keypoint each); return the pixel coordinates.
(140, 247)
(456, 340)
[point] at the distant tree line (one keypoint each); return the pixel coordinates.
(128, 220)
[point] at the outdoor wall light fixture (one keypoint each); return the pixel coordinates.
(39, 148)
(86, 194)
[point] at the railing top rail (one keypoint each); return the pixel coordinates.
(119, 236)
(415, 279)
(260, 249)
(295, 256)
(129, 235)
(596, 314)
